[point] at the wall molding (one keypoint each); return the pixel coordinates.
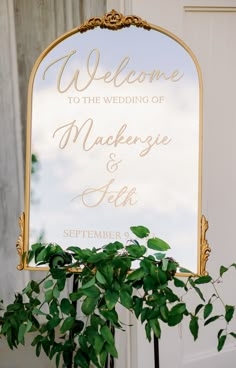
(210, 9)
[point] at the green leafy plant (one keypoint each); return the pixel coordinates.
(78, 329)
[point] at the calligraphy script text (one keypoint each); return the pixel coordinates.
(93, 197)
(120, 75)
(72, 132)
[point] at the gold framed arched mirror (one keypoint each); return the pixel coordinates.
(114, 139)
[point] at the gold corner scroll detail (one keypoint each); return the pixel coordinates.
(205, 249)
(20, 241)
(114, 21)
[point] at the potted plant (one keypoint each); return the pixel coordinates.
(103, 278)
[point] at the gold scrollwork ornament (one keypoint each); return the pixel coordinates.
(20, 241)
(205, 249)
(113, 20)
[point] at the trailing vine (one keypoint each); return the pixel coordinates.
(77, 329)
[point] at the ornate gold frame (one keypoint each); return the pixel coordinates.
(114, 21)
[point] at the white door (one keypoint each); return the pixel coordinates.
(208, 27)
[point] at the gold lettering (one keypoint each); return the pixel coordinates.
(71, 132)
(66, 135)
(118, 76)
(93, 197)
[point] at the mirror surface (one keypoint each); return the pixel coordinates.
(115, 142)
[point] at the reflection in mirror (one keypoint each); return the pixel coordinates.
(115, 140)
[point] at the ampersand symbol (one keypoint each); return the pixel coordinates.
(113, 164)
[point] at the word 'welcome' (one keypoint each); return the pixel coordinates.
(82, 79)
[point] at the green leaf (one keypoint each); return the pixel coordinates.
(38, 312)
(198, 291)
(198, 308)
(136, 251)
(42, 255)
(171, 296)
(174, 320)
(111, 316)
(38, 349)
(29, 326)
(113, 247)
(136, 275)
(46, 346)
(140, 231)
(229, 312)
(66, 306)
(126, 299)
(48, 284)
(164, 312)
(107, 334)
(36, 246)
(179, 283)
(103, 357)
(67, 324)
(96, 321)
(194, 327)
(107, 272)
(111, 349)
(80, 359)
(36, 340)
(178, 309)
(21, 334)
(155, 327)
(35, 287)
(210, 320)
(92, 292)
(159, 256)
(98, 343)
(233, 334)
(93, 356)
(185, 270)
(89, 283)
(89, 305)
(203, 280)
(97, 257)
(111, 298)
(221, 342)
(56, 292)
(165, 263)
(48, 295)
(149, 283)
(83, 342)
(58, 357)
(78, 327)
(61, 283)
(220, 333)
(91, 332)
(149, 314)
(76, 295)
(223, 269)
(138, 305)
(207, 310)
(54, 322)
(100, 278)
(148, 331)
(158, 244)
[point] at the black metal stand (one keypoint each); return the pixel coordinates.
(74, 303)
(156, 353)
